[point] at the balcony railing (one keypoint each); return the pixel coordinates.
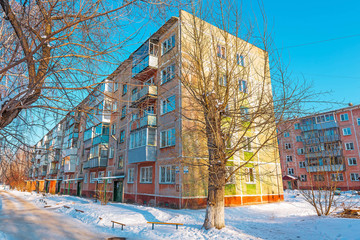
(96, 162)
(142, 154)
(146, 91)
(69, 167)
(326, 168)
(145, 58)
(328, 153)
(53, 171)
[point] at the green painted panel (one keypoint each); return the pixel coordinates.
(230, 189)
(250, 189)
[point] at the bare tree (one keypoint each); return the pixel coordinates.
(233, 106)
(54, 52)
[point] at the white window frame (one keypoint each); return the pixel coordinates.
(300, 151)
(146, 174)
(111, 152)
(221, 51)
(108, 174)
(92, 177)
(101, 174)
(289, 158)
(346, 131)
(168, 44)
(286, 134)
(299, 138)
(166, 105)
(344, 117)
(168, 73)
(240, 59)
(113, 129)
(170, 138)
(303, 178)
(85, 177)
(287, 146)
(348, 144)
(337, 177)
(131, 173)
(247, 176)
(167, 174)
(297, 126)
(291, 171)
(302, 164)
(358, 121)
(354, 177)
(352, 160)
(243, 86)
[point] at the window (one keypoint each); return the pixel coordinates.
(168, 44)
(124, 90)
(167, 138)
(123, 112)
(92, 177)
(302, 164)
(289, 158)
(116, 86)
(303, 178)
(85, 177)
(131, 175)
(232, 179)
(146, 175)
(300, 151)
(346, 131)
(167, 73)
(240, 60)
(250, 175)
(298, 138)
(319, 178)
(243, 86)
(354, 177)
(358, 121)
(245, 116)
(337, 177)
(101, 174)
(121, 162)
(134, 116)
(113, 129)
(290, 171)
(297, 126)
(344, 117)
(247, 146)
(168, 105)
(222, 80)
(349, 146)
(167, 174)
(109, 175)
(114, 106)
(325, 118)
(286, 134)
(111, 152)
(122, 136)
(221, 51)
(352, 161)
(287, 145)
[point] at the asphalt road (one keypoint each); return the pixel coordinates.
(20, 219)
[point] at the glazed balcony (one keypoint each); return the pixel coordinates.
(69, 167)
(53, 171)
(145, 60)
(147, 121)
(326, 168)
(148, 91)
(142, 154)
(96, 162)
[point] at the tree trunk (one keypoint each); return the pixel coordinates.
(215, 215)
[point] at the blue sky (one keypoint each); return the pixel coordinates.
(332, 66)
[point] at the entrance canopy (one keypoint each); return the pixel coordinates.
(74, 179)
(289, 177)
(113, 177)
(48, 179)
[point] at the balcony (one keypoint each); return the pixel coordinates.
(43, 173)
(326, 168)
(145, 60)
(148, 91)
(322, 139)
(329, 153)
(142, 154)
(319, 126)
(100, 139)
(69, 167)
(36, 174)
(96, 162)
(147, 121)
(53, 171)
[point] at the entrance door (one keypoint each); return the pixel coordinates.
(118, 188)
(58, 187)
(78, 192)
(47, 186)
(289, 185)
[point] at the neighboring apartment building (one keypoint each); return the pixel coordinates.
(322, 148)
(127, 138)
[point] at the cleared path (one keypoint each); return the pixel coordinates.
(20, 219)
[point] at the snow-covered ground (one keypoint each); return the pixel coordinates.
(291, 219)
